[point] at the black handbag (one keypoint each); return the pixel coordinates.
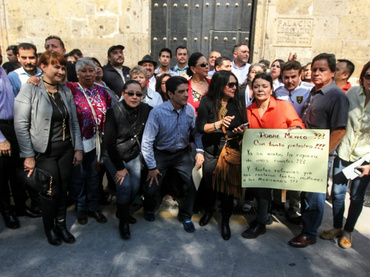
(39, 180)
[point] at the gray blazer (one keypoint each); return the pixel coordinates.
(32, 119)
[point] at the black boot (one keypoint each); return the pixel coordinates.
(225, 228)
(205, 218)
(48, 207)
(124, 226)
(61, 228)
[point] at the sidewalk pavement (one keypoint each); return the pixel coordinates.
(163, 248)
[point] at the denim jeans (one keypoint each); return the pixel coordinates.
(84, 184)
(183, 163)
(313, 206)
(127, 191)
(357, 193)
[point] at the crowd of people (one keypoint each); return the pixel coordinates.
(149, 127)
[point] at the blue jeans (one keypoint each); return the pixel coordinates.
(357, 193)
(84, 184)
(127, 191)
(313, 206)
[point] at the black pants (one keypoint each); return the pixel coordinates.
(183, 163)
(57, 160)
(8, 174)
(211, 195)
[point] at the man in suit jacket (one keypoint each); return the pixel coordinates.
(115, 73)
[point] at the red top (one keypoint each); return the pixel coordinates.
(191, 101)
(279, 115)
(346, 87)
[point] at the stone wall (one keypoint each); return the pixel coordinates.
(91, 26)
(307, 27)
(310, 27)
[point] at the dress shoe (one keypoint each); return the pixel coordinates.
(82, 217)
(254, 230)
(188, 225)
(11, 221)
(124, 229)
(302, 241)
(149, 216)
(225, 230)
(53, 237)
(29, 212)
(205, 219)
(331, 234)
(99, 217)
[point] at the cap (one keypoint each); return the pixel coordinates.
(115, 47)
(147, 59)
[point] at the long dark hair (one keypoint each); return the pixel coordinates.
(193, 62)
(363, 72)
(216, 91)
(158, 87)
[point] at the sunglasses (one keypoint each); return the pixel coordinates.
(204, 64)
(131, 93)
(367, 77)
(232, 84)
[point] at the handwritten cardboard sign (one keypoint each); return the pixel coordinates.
(291, 160)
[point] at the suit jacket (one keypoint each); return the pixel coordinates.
(113, 79)
(32, 119)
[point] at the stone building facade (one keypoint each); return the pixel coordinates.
(307, 27)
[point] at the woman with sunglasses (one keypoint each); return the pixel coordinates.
(92, 103)
(267, 113)
(220, 107)
(198, 83)
(354, 145)
(124, 128)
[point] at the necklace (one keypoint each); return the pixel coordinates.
(223, 109)
(50, 84)
(64, 115)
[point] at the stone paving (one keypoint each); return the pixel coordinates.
(163, 248)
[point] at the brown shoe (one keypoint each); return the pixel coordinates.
(302, 241)
(331, 234)
(346, 241)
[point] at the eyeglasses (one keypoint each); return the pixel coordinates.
(204, 64)
(232, 84)
(367, 77)
(131, 93)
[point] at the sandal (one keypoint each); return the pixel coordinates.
(331, 234)
(345, 242)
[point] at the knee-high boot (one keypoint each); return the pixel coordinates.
(124, 226)
(61, 228)
(225, 228)
(48, 206)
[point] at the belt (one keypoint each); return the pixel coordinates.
(174, 151)
(7, 121)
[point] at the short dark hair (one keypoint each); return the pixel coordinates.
(76, 52)
(57, 38)
(180, 47)
(220, 60)
(330, 58)
(236, 46)
(193, 62)
(165, 50)
(350, 67)
(27, 46)
(291, 65)
(265, 62)
(264, 76)
(13, 48)
(363, 72)
(130, 82)
(173, 83)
